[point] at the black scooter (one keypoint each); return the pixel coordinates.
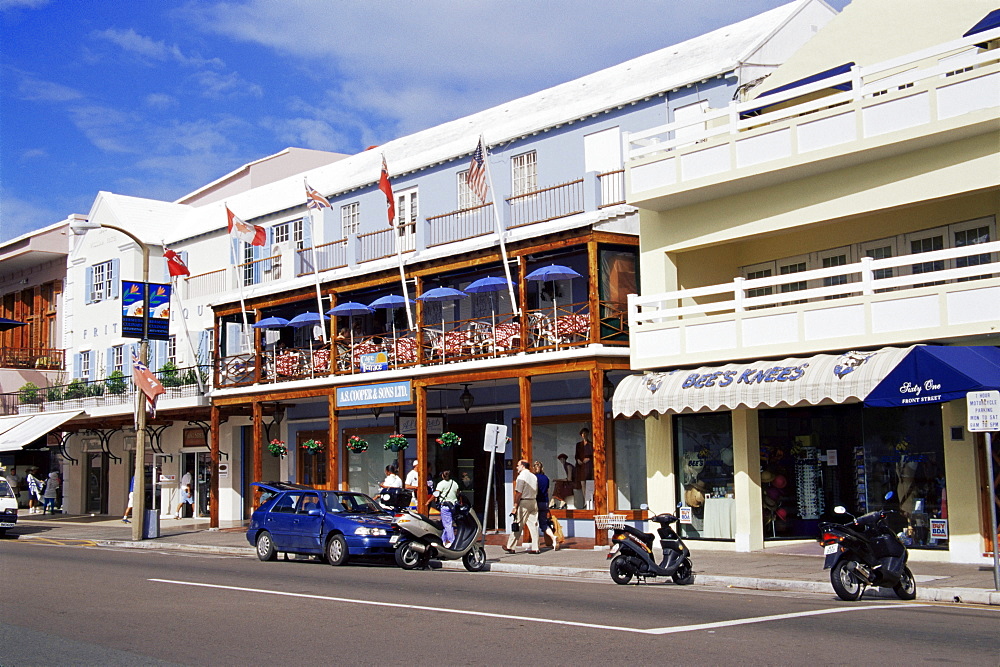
(867, 552)
(631, 554)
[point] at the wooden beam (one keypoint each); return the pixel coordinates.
(597, 432)
(257, 450)
(524, 394)
(334, 446)
(593, 293)
(423, 466)
(213, 448)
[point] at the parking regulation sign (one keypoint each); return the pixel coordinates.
(984, 410)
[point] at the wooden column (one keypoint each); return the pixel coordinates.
(599, 434)
(213, 449)
(334, 446)
(522, 296)
(420, 392)
(524, 391)
(256, 451)
(593, 293)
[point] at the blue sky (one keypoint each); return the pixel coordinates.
(154, 98)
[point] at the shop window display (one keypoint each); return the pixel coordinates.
(705, 473)
(630, 464)
(559, 445)
(366, 471)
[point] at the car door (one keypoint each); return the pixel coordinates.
(281, 521)
(309, 523)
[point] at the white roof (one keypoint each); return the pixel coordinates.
(703, 57)
(151, 220)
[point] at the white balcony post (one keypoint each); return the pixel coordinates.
(734, 118)
(867, 276)
(738, 294)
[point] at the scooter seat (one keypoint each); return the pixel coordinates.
(635, 532)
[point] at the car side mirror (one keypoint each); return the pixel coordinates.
(316, 512)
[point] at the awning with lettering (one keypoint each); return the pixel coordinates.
(32, 428)
(887, 377)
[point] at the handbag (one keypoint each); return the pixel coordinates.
(515, 527)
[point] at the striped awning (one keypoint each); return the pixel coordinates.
(32, 428)
(815, 380)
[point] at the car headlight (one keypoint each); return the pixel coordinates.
(364, 530)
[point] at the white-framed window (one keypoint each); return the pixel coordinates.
(172, 350)
(406, 218)
(298, 235)
(466, 197)
(280, 234)
(754, 271)
(927, 241)
(85, 359)
(350, 219)
(787, 267)
(833, 258)
(102, 278)
(118, 359)
(248, 265)
(969, 233)
(524, 173)
(690, 112)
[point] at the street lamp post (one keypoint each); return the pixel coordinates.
(81, 227)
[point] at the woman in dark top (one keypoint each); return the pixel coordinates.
(544, 524)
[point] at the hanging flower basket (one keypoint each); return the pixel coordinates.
(357, 444)
(312, 446)
(449, 439)
(277, 448)
(396, 442)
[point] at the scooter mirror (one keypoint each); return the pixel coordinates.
(890, 495)
(644, 506)
(840, 509)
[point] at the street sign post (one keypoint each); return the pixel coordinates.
(494, 442)
(984, 416)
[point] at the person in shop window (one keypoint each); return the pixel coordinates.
(585, 468)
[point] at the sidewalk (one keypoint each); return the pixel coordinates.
(780, 567)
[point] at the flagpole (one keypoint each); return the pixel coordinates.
(499, 226)
(239, 281)
(399, 259)
(315, 267)
(187, 334)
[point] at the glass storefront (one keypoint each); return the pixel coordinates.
(629, 464)
(705, 474)
(558, 446)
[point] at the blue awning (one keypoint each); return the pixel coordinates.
(933, 374)
(988, 22)
(805, 81)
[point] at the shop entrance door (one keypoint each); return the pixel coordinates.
(97, 483)
(312, 467)
(199, 464)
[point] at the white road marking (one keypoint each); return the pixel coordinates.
(551, 621)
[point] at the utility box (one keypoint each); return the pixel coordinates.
(151, 526)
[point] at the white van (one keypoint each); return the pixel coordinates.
(8, 507)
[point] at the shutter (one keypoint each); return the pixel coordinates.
(94, 361)
(77, 364)
(115, 282)
(109, 365)
(306, 233)
(161, 352)
(88, 287)
(203, 346)
(184, 258)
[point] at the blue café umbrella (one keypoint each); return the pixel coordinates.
(553, 272)
(7, 324)
(489, 284)
(350, 309)
(442, 294)
(271, 323)
(391, 301)
(308, 318)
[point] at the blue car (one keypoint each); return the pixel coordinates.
(332, 524)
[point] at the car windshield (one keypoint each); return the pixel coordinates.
(351, 502)
(5, 491)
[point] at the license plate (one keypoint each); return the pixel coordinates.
(394, 539)
(7, 524)
(831, 549)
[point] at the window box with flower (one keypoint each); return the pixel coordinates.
(357, 444)
(449, 439)
(277, 448)
(312, 446)
(396, 442)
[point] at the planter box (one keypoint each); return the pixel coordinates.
(28, 408)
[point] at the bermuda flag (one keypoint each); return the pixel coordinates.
(475, 178)
(175, 265)
(146, 381)
(315, 200)
(386, 187)
(249, 234)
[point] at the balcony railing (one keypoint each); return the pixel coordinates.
(109, 392)
(382, 244)
(459, 225)
(328, 256)
(41, 358)
(611, 188)
(874, 301)
(557, 201)
(935, 84)
(206, 284)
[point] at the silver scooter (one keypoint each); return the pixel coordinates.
(418, 537)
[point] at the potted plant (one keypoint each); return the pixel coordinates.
(94, 392)
(29, 398)
(449, 439)
(312, 446)
(171, 379)
(277, 448)
(54, 397)
(396, 442)
(357, 444)
(76, 390)
(116, 386)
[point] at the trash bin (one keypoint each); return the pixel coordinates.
(151, 526)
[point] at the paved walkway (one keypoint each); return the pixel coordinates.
(792, 567)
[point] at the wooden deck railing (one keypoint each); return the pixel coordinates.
(206, 284)
(382, 244)
(328, 256)
(551, 203)
(459, 225)
(611, 188)
(42, 358)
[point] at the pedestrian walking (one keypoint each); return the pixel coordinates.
(186, 497)
(542, 498)
(525, 511)
(412, 484)
(392, 480)
(36, 487)
(447, 495)
(128, 508)
(51, 493)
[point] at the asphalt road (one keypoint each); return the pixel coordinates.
(72, 604)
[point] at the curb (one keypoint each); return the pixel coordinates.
(951, 595)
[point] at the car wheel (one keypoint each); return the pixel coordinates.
(265, 547)
(684, 575)
(906, 589)
(475, 559)
(408, 558)
(336, 550)
(845, 582)
(621, 571)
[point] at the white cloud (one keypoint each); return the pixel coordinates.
(34, 154)
(160, 101)
(36, 90)
(217, 86)
(22, 4)
(146, 47)
(20, 216)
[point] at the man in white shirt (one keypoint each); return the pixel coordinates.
(412, 483)
(525, 510)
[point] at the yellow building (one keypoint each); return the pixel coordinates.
(877, 141)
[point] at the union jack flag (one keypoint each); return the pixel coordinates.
(315, 200)
(475, 178)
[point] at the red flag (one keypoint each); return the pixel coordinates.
(475, 178)
(251, 234)
(386, 187)
(175, 265)
(146, 381)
